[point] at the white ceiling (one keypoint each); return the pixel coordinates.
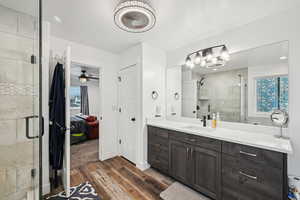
(179, 22)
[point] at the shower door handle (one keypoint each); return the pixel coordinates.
(27, 126)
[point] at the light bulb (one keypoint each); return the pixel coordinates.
(214, 60)
(208, 54)
(83, 80)
(224, 54)
(203, 63)
(197, 59)
(188, 61)
(192, 65)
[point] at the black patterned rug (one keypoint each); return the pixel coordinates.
(84, 191)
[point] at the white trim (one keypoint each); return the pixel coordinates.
(143, 166)
(45, 105)
(101, 157)
(67, 167)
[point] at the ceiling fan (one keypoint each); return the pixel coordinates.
(84, 77)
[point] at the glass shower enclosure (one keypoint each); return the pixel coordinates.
(20, 133)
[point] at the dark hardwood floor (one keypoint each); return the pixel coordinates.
(84, 152)
(118, 179)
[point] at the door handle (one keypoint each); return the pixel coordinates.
(27, 126)
(42, 126)
(133, 119)
(188, 153)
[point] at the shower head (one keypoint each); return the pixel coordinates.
(202, 81)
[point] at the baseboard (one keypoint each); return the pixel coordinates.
(143, 166)
(107, 156)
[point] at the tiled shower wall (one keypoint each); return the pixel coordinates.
(17, 100)
(222, 91)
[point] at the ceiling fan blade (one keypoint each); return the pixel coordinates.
(92, 77)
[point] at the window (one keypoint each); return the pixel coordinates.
(75, 97)
(272, 93)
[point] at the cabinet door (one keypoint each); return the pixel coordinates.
(206, 171)
(179, 161)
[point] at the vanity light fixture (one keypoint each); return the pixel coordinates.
(135, 16)
(211, 57)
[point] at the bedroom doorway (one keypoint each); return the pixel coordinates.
(85, 113)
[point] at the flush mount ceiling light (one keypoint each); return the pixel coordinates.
(211, 57)
(134, 16)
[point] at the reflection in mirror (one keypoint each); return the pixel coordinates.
(246, 89)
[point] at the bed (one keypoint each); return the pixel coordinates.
(78, 130)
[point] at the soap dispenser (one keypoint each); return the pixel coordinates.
(214, 121)
(218, 119)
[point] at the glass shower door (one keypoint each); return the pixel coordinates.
(19, 100)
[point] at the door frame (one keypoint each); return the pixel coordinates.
(100, 111)
(139, 110)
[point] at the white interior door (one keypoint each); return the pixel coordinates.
(189, 99)
(128, 109)
(66, 167)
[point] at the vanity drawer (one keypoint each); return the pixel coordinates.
(257, 155)
(155, 132)
(249, 181)
(203, 142)
(158, 149)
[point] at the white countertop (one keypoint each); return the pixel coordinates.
(260, 140)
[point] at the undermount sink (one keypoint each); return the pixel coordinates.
(197, 128)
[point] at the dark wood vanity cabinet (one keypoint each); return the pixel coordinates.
(250, 173)
(180, 163)
(220, 170)
(197, 167)
(206, 171)
(158, 149)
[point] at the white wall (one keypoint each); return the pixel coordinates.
(108, 63)
(261, 71)
(173, 81)
(283, 26)
(154, 79)
(130, 56)
(151, 64)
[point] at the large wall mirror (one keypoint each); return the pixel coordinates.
(251, 85)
